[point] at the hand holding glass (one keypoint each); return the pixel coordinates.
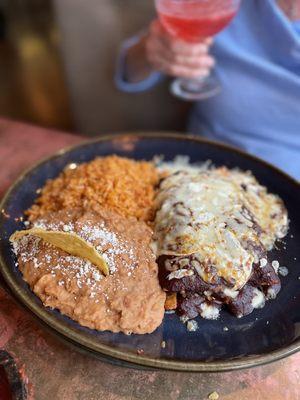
(193, 21)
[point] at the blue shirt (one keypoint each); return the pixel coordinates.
(258, 65)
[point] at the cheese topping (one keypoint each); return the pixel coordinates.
(225, 218)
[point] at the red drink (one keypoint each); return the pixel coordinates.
(193, 20)
(196, 28)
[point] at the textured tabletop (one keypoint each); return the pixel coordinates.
(54, 371)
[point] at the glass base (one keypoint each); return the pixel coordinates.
(195, 89)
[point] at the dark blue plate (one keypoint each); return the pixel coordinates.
(266, 335)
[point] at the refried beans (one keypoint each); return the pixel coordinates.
(128, 300)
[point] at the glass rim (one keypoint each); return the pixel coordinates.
(177, 2)
(193, 1)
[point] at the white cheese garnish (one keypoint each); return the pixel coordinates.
(283, 271)
(208, 311)
(258, 300)
(192, 325)
(275, 265)
(271, 294)
(263, 262)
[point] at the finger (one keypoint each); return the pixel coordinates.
(188, 49)
(203, 61)
(157, 49)
(190, 73)
(156, 46)
(175, 70)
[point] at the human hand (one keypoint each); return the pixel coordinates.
(175, 57)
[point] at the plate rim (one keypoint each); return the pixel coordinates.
(42, 314)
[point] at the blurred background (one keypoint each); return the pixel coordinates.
(57, 62)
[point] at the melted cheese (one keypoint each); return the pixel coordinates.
(268, 209)
(221, 217)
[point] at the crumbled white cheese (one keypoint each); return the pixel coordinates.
(208, 311)
(275, 265)
(258, 300)
(230, 293)
(283, 271)
(192, 325)
(97, 276)
(271, 294)
(263, 262)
